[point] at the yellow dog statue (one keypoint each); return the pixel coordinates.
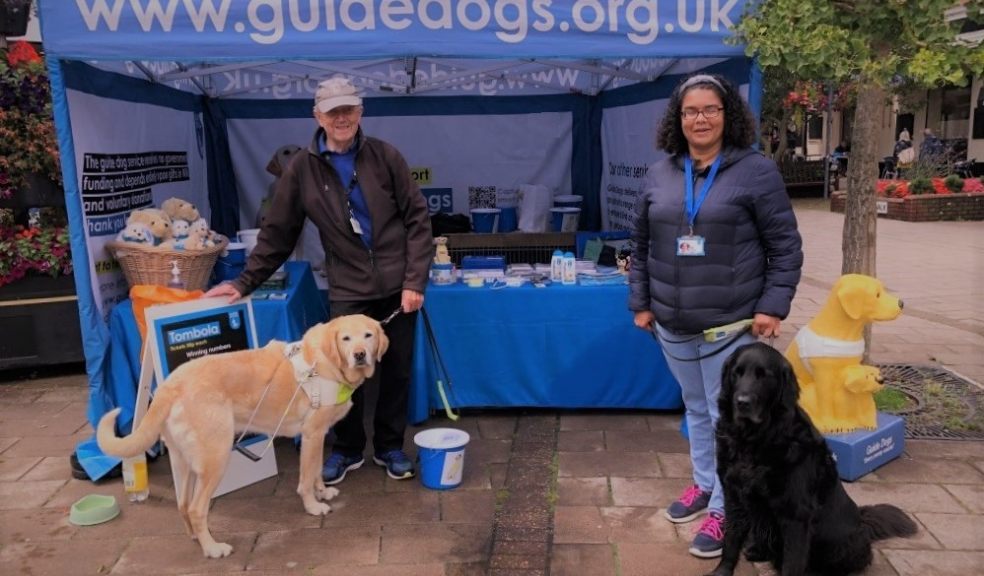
(836, 391)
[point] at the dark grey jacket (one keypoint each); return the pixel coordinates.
(753, 248)
(402, 244)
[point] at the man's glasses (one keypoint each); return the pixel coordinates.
(707, 111)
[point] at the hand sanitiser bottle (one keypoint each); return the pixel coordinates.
(570, 268)
(175, 281)
(135, 478)
(557, 266)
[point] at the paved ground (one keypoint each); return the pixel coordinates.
(571, 493)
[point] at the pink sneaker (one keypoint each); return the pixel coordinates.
(691, 505)
(710, 536)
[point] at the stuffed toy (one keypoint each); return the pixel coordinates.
(276, 166)
(158, 222)
(179, 209)
(836, 391)
(136, 233)
(180, 228)
(201, 226)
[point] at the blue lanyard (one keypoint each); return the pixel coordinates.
(693, 208)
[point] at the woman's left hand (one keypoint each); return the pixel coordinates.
(765, 326)
(411, 300)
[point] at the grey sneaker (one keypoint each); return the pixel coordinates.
(691, 504)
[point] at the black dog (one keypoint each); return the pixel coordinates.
(780, 482)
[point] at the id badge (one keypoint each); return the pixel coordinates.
(690, 246)
(356, 227)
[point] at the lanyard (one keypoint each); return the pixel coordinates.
(348, 192)
(692, 207)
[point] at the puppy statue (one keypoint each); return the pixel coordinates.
(441, 254)
(835, 389)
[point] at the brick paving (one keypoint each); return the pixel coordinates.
(544, 492)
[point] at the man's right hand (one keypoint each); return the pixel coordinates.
(224, 289)
(644, 320)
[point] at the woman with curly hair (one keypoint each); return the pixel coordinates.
(716, 264)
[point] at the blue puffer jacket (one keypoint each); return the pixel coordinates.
(753, 248)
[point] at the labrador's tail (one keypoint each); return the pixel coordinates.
(143, 437)
(882, 521)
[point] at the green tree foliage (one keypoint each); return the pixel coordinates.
(879, 46)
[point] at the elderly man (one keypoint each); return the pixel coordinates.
(932, 148)
(375, 228)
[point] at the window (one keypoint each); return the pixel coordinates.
(954, 112)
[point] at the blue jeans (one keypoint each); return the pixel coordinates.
(700, 382)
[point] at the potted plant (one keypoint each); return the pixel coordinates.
(28, 146)
(14, 16)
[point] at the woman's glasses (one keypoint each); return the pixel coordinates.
(707, 111)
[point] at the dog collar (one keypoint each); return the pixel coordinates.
(813, 345)
(315, 386)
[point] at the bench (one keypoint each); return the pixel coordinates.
(804, 173)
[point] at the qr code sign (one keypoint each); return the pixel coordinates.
(481, 197)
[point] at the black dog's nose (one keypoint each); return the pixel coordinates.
(743, 401)
(360, 356)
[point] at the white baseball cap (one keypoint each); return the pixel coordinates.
(335, 92)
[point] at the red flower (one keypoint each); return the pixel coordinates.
(22, 51)
(973, 186)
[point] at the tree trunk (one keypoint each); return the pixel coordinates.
(860, 219)
(780, 150)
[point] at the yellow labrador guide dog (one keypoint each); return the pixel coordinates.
(204, 402)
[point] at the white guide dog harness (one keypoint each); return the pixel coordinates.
(813, 345)
(314, 385)
(308, 379)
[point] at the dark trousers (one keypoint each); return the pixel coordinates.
(393, 373)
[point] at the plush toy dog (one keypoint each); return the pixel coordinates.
(179, 228)
(835, 389)
(179, 209)
(158, 222)
(136, 233)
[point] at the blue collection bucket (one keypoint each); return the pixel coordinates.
(567, 201)
(564, 219)
(441, 452)
(485, 219)
(235, 253)
(508, 219)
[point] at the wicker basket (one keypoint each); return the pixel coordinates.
(144, 264)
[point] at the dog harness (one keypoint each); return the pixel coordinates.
(813, 345)
(315, 386)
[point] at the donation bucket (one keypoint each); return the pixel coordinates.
(231, 262)
(567, 201)
(248, 238)
(564, 219)
(508, 219)
(441, 452)
(485, 219)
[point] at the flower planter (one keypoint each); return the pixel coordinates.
(40, 317)
(40, 191)
(923, 208)
(14, 16)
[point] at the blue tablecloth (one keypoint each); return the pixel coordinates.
(285, 319)
(559, 347)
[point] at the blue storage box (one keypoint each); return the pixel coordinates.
(483, 263)
(861, 452)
